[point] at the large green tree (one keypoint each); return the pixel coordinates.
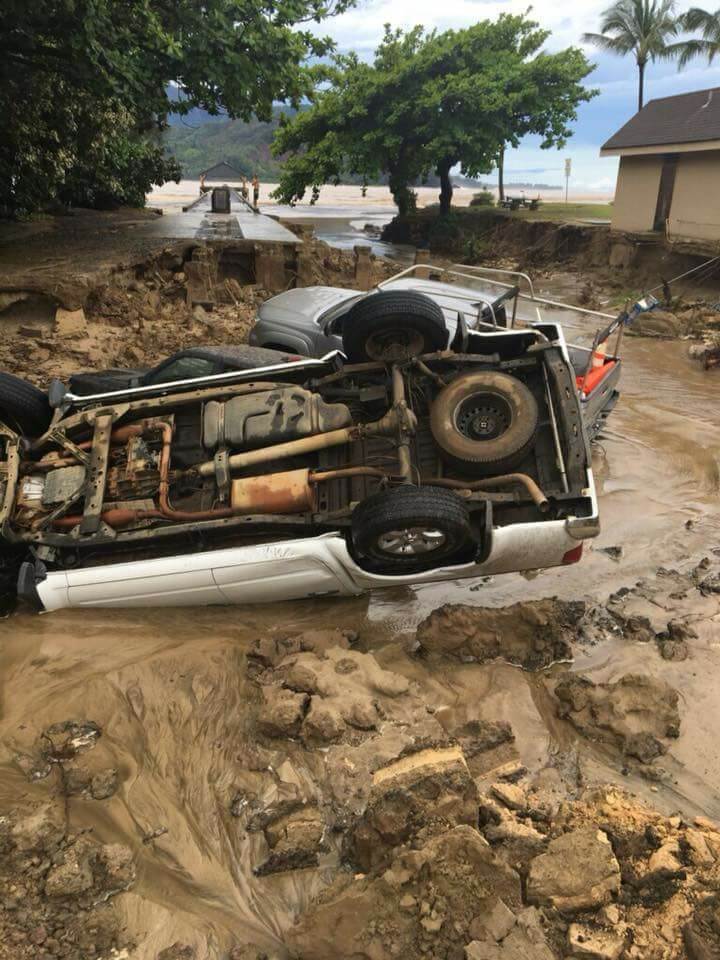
(431, 103)
(642, 28)
(86, 83)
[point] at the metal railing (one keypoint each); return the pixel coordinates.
(531, 297)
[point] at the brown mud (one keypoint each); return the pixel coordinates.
(462, 770)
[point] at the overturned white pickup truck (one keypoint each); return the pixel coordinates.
(416, 454)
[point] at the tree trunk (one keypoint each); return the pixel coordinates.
(446, 187)
(641, 85)
(501, 173)
(404, 197)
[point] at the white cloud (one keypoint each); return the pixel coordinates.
(361, 29)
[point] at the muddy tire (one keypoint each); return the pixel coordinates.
(23, 407)
(484, 423)
(393, 325)
(410, 529)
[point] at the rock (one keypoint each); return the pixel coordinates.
(70, 323)
(499, 920)
(635, 713)
(666, 858)
(41, 832)
(359, 713)
(294, 841)
(71, 876)
(702, 934)
(282, 712)
(525, 941)
(527, 841)
(430, 788)
(115, 867)
(592, 943)
(178, 951)
(453, 877)
(510, 795)
(322, 723)
(681, 632)
(676, 650)
(700, 851)
(104, 784)
(577, 872)
(479, 736)
(533, 634)
(65, 740)
(710, 585)
(643, 747)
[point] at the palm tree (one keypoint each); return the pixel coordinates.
(708, 45)
(641, 27)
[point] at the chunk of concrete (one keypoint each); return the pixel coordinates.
(432, 787)
(70, 323)
(592, 943)
(282, 712)
(577, 872)
(511, 795)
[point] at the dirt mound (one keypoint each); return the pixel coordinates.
(430, 902)
(533, 635)
(56, 885)
(637, 714)
(145, 308)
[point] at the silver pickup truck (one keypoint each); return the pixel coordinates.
(311, 321)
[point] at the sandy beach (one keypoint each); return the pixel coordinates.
(377, 199)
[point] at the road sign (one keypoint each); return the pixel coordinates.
(568, 171)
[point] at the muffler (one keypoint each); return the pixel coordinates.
(288, 492)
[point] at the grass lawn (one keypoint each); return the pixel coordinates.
(567, 211)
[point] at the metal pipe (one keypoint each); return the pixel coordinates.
(555, 432)
(505, 480)
(403, 434)
(292, 448)
(320, 476)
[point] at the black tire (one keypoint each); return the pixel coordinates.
(484, 423)
(23, 407)
(390, 527)
(393, 325)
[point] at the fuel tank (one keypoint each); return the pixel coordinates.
(263, 419)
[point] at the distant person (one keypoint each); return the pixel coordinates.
(203, 188)
(256, 191)
(244, 189)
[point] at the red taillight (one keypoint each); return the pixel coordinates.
(573, 556)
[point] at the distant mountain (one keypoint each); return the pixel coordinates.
(199, 140)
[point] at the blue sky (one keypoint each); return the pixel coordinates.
(616, 77)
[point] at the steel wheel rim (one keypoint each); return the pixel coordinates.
(483, 416)
(411, 541)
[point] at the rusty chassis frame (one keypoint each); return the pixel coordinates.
(93, 528)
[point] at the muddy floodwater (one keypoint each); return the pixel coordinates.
(170, 692)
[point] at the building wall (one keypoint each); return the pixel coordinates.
(695, 210)
(636, 194)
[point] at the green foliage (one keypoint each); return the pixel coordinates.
(485, 198)
(430, 103)
(245, 146)
(707, 45)
(86, 81)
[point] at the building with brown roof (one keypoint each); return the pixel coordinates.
(669, 176)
